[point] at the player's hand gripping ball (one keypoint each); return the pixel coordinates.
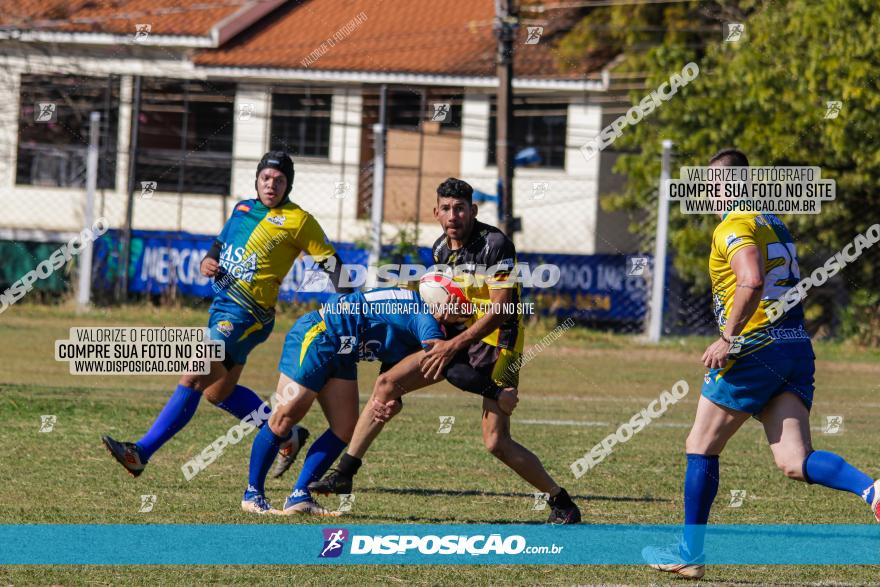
(445, 298)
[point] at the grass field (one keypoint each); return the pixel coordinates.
(572, 395)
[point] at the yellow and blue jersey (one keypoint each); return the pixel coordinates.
(765, 231)
(259, 246)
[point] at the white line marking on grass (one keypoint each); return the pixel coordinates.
(575, 398)
(563, 422)
(671, 425)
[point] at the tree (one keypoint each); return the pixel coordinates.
(767, 95)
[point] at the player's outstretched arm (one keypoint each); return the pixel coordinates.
(748, 267)
(442, 351)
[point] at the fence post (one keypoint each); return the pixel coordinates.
(377, 209)
(84, 295)
(122, 281)
(658, 280)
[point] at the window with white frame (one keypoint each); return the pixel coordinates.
(53, 129)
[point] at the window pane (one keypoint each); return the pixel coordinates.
(442, 106)
(301, 121)
(53, 129)
(185, 135)
(535, 124)
(437, 101)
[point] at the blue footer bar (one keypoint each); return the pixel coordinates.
(171, 544)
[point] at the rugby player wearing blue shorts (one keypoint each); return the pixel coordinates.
(319, 361)
(753, 262)
(249, 259)
(483, 359)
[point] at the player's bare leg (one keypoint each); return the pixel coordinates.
(401, 379)
(294, 402)
(713, 426)
(217, 386)
(787, 426)
(404, 377)
(339, 402)
(498, 441)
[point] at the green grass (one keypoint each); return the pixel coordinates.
(412, 474)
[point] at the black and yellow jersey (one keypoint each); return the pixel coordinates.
(486, 262)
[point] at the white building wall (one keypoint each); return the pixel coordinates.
(9, 96)
(43, 212)
(561, 218)
(558, 207)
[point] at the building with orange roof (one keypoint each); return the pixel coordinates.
(192, 93)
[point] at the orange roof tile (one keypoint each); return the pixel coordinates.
(442, 37)
(166, 17)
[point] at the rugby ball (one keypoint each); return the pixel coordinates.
(436, 286)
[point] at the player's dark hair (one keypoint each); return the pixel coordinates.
(730, 158)
(456, 188)
(280, 161)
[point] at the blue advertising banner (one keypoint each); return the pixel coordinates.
(161, 260)
(595, 287)
(471, 544)
(592, 287)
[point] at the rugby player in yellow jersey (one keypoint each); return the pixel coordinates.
(249, 259)
(483, 359)
(757, 368)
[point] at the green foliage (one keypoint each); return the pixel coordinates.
(405, 244)
(861, 318)
(404, 249)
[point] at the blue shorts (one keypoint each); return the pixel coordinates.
(311, 354)
(238, 329)
(748, 384)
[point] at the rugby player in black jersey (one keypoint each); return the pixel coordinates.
(483, 359)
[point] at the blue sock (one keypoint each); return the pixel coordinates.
(831, 470)
(178, 411)
(263, 452)
(321, 455)
(241, 402)
(700, 488)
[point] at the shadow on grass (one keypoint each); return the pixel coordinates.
(473, 492)
(433, 520)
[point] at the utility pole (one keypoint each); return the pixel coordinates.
(506, 25)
